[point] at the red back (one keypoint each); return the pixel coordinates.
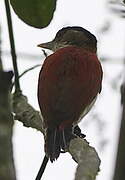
(69, 80)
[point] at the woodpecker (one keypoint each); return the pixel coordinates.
(69, 83)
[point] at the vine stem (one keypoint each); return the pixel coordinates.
(42, 168)
(12, 44)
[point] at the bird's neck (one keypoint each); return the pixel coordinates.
(56, 48)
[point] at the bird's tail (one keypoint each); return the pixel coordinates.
(57, 140)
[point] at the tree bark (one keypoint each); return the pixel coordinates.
(119, 172)
(7, 169)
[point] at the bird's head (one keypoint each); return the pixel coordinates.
(72, 36)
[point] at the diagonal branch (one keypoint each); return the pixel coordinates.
(85, 155)
(26, 71)
(25, 113)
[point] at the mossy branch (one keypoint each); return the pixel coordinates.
(81, 151)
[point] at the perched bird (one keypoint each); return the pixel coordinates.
(69, 83)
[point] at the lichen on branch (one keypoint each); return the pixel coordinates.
(25, 113)
(80, 150)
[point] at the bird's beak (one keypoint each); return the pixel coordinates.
(48, 45)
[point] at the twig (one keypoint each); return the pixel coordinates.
(12, 44)
(42, 168)
(29, 70)
(26, 72)
(44, 52)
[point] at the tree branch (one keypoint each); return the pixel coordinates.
(25, 113)
(87, 158)
(85, 155)
(26, 71)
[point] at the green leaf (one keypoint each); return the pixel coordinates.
(36, 13)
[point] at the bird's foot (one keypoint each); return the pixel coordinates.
(77, 131)
(68, 134)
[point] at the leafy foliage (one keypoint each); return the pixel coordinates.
(36, 13)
